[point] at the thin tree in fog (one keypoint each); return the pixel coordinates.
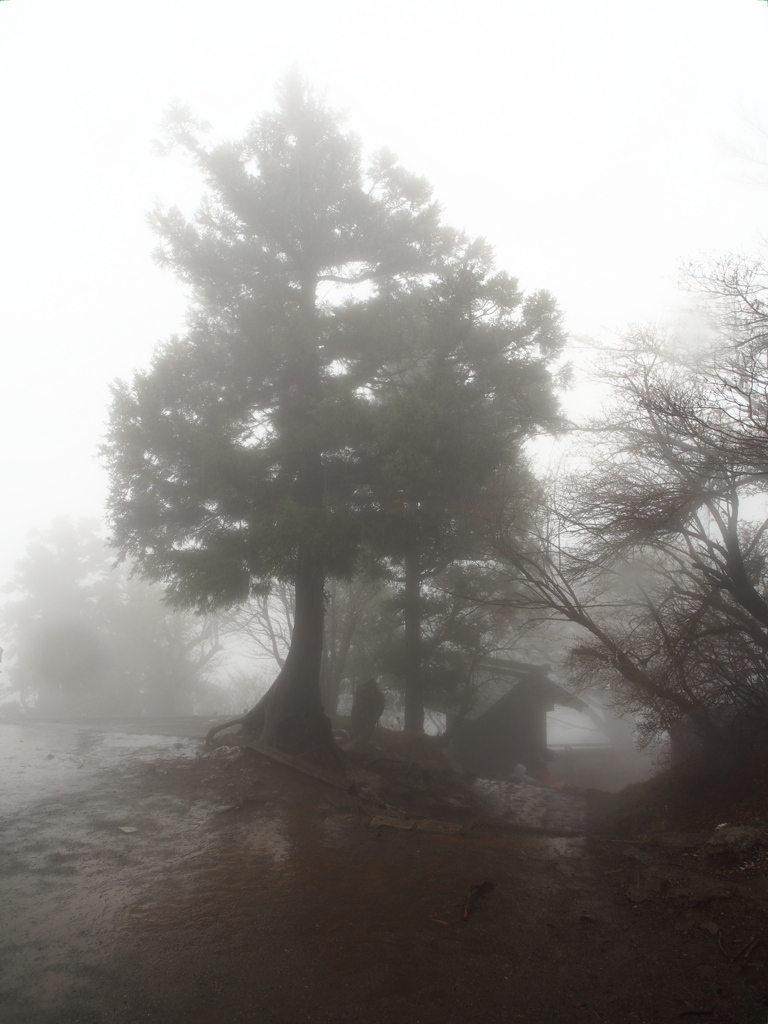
(350, 608)
(468, 380)
(263, 626)
(460, 626)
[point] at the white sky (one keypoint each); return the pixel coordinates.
(597, 144)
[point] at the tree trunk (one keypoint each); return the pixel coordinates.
(290, 715)
(330, 679)
(414, 692)
(329, 676)
(340, 623)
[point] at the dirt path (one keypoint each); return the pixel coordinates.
(270, 899)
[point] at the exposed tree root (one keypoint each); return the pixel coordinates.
(300, 733)
(218, 728)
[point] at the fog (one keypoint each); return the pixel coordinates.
(160, 866)
(597, 145)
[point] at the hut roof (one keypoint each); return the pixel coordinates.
(494, 678)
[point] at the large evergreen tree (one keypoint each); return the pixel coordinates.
(233, 458)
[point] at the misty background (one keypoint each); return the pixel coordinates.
(598, 146)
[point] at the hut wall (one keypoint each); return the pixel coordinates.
(513, 731)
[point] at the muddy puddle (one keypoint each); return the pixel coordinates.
(337, 910)
(38, 760)
(288, 906)
(535, 806)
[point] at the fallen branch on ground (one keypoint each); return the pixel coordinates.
(338, 781)
(443, 828)
(475, 892)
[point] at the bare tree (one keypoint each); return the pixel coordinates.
(348, 601)
(264, 625)
(660, 551)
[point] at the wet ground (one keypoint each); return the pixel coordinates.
(246, 892)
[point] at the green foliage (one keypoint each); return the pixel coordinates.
(242, 445)
(467, 381)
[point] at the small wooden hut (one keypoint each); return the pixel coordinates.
(503, 720)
